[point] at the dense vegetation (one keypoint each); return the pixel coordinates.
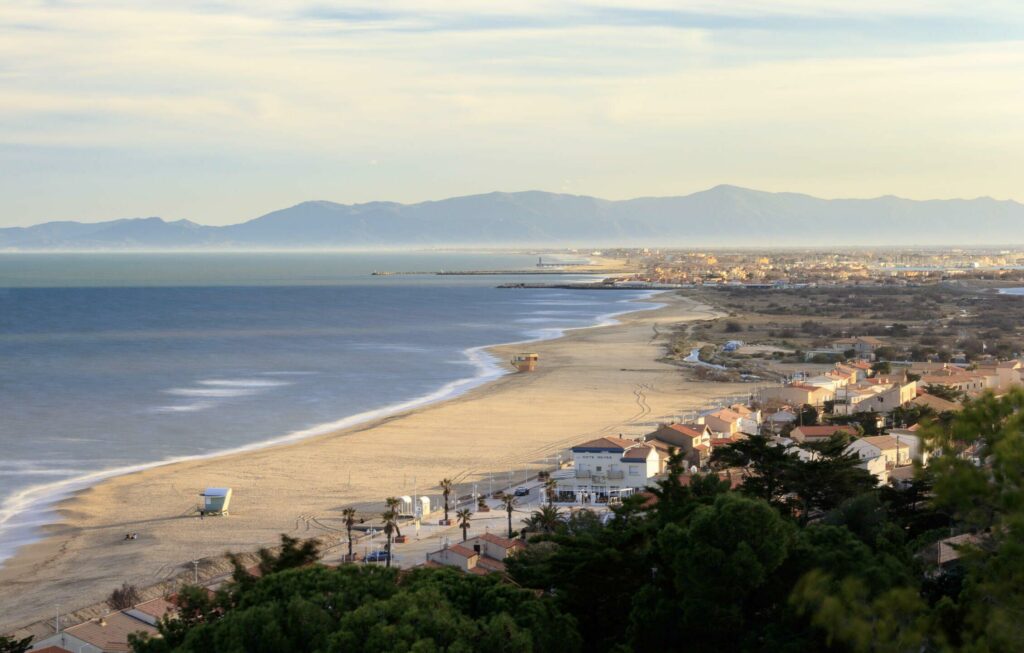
(805, 556)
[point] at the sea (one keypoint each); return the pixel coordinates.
(111, 363)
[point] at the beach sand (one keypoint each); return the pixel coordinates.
(589, 383)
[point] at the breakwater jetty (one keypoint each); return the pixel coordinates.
(495, 272)
(598, 286)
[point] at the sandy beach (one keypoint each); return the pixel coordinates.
(590, 382)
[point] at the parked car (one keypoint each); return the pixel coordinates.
(377, 556)
(522, 491)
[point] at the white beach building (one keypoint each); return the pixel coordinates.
(606, 468)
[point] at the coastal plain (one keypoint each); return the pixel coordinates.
(591, 382)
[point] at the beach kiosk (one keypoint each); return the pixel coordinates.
(216, 500)
(525, 362)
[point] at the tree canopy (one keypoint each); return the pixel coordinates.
(806, 555)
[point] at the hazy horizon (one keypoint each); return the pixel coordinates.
(214, 113)
(382, 200)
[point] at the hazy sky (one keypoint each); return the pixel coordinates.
(220, 111)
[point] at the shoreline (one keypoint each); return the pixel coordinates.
(83, 538)
(44, 500)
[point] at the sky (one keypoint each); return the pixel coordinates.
(225, 110)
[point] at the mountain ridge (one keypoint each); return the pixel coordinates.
(723, 215)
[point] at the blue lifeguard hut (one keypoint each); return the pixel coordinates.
(216, 500)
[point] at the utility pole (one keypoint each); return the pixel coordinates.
(195, 570)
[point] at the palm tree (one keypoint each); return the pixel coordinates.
(350, 520)
(549, 487)
(545, 519)
(389, 529)
(446, 490)
(463, 516)
(392, 504)
(509, 502)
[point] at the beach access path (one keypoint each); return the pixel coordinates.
(589, 383)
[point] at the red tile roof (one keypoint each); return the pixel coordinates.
(685, 429)
(726, 415)
(460, 550)
(503, 542)
(606, 443)
(637, 453)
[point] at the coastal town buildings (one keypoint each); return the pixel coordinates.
(606, 468)
(481, 554)
(874, 395)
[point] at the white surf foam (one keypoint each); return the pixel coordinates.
(211, 392)
(185, 408)
(32, 507)
(244, 383)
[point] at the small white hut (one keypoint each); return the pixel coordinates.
(216, 500)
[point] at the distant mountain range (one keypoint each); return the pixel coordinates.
(722, 216)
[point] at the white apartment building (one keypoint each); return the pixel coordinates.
(606, 468)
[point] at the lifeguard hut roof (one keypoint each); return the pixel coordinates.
(216, 500)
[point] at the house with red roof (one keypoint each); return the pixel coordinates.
(725, 422)
(809, 434)
(692, 440)
(482, 554)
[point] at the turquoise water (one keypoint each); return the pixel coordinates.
(114, 362)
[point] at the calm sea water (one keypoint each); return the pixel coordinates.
(114, 362)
